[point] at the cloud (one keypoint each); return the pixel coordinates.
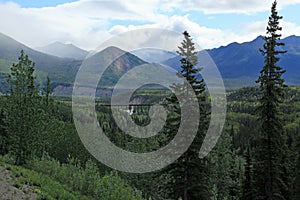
(83, 23)
(36, 27)
(87, 23)
(204, 37)
(90, 9)
(259, 28)
(224, 6)
(290, 28)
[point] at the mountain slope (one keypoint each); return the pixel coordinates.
(60, 70)
(112, 63)
(64, 51)
(17, 183)
(115, 61)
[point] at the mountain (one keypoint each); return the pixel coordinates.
(154, 55)
(62, 71)
(240, 64)
(64, 51)
(292, 44)
(115, 61)
(112, 63)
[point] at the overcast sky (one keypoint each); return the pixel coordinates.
(87, 23)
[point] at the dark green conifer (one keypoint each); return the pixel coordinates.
(271, 149)
(247, 182)
(21, 109)
(3, 134)
(189, 173)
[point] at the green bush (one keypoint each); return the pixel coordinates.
(112, 187)
(44, 186)
(86, 180)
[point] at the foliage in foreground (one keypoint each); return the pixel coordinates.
(72, 181)
(43, 185)
(86, 179)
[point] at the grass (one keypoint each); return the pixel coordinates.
(44, 186)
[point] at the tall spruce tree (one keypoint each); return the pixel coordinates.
(226, 178)
(21, 109)
(47, 91)
(247, 182)
(296, 184)
(189, 173)
(3, 134)
(269, 166)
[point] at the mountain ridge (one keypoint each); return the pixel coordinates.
(60, 70)
(240, 63)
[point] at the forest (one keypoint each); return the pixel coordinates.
(256, 157)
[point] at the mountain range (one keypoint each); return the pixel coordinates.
(238, 63)
(62, 71)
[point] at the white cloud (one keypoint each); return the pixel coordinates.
(225, 6)
(87, 23)
(259, 28)
(203, 36)
(36, 27)
(83, 23)
(289, 28)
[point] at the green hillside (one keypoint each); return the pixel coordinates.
(34, 185)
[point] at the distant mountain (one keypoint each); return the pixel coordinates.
(154, 55)
(292, 44)
(112, 63)
(116, 61)
(64, 51)
(240, 64)
(60, 70)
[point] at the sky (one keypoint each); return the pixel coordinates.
(88, 23)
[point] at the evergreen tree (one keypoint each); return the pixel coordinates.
(3, 134)
(235, 174)
(297, 182)
(21, 109)
(297, 178)
(269, 166)
(247, 183)
(189, 173)
(47, 91)
(226, 178)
